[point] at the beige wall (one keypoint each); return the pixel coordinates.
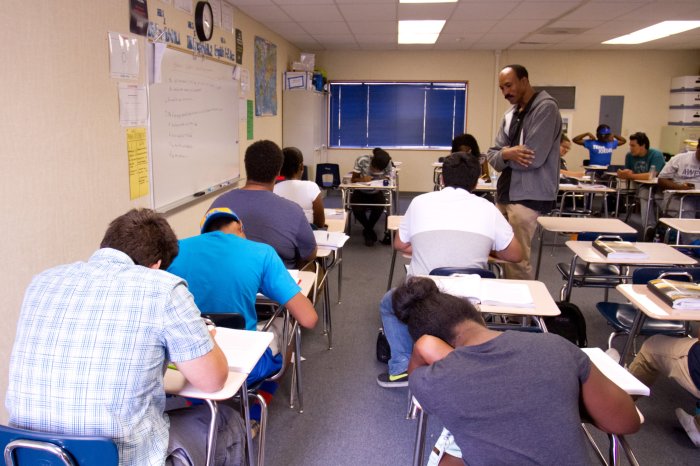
(63, 152)
(643, 78)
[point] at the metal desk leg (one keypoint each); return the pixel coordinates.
(327, 310)
(539, 253)
(419, 447)
(649, 204)
(570, 282)
(246, 419)
(339, 260)
(211, 440)
(613, 451)
(634, 331)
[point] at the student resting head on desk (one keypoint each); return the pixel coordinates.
(305, 193)
(367, 168)
(506, 397)
(93, 340)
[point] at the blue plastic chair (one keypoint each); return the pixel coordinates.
(620, 316)
(328, 175)
(26, 447)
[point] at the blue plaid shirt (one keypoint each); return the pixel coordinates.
(92, 342)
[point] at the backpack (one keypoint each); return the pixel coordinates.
(570, 324)
(383, 349)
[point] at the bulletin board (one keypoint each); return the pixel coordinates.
(193, 131)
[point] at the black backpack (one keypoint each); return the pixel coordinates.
(383, 349)
(570, 324)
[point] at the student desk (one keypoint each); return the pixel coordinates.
(658, 254)
(392, 224)
(563, 225)
(682, 225)
(650, 307)
(544, 305)
(328, 257)
(589, 191)
(243, 349)
(346, 190)
(682, 194)
(336, 219)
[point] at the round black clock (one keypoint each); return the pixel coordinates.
(203, 21)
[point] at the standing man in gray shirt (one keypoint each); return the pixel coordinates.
(526, 152)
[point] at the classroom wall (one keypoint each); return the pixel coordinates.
(643, 78)
(64, 161)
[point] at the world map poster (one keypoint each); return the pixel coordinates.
(265, 78)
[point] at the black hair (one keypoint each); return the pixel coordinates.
(426, 310)
(461, 170)
(380, 158)
(466, 140)
(564, 138)
(218, 223)
(263, 161)
(293, 159)
(144, 235)
(641, 139)
(520, 71)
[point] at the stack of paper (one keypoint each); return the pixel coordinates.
(487, 292)
(330, 239)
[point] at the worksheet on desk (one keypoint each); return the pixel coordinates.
(243, 348)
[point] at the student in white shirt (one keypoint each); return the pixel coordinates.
(305, 193)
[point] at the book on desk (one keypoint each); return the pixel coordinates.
(619, 249)
(486, 292)
(330, 239)
(677, 294)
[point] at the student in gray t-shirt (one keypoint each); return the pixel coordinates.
(507, 397)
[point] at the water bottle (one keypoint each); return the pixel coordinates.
(652, 172)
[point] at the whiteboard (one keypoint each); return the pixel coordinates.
(193, 113)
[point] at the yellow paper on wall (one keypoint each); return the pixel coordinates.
(138, 161)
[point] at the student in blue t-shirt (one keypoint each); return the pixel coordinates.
(601, 145)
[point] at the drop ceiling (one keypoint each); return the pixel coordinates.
(315, 25)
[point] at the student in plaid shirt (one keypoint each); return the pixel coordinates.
(94, 338)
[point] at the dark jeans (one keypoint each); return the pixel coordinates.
(367, 216)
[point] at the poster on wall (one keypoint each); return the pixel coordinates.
(138, 17)
(265, 77)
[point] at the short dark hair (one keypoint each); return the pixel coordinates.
(641, 139)
(426, 310)
(380, 158)
(564, 138)
(293, 159)
(466, 140)
(263, 161)
(218, 223)
(144, 235)
(520, 71)
(461, 170)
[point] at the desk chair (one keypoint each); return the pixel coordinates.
(26, 447)
(328, 175)
(620, 316)
(594, 275)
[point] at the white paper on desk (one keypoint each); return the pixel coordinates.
(330, 239)
(616, 373)
(487, 292)
(335, 214)
(243, 348)
(294, 273)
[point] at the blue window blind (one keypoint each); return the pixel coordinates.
(411, 115)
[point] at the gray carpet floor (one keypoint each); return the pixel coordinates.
(349, 420)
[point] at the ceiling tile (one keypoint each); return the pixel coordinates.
(540, 10)
(265, 13)
(325, 27)
(524, 26)
(483, 10)
(416, 11)
(374, 27)
(368, 12)
(313, 12)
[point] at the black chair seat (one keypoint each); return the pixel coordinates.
(447, 271)
(620, 317)
(599, 274)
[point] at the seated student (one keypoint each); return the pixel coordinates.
(601, 145)
(367, 168)
(305, 193)
(268, 217)
(94, 338)
(467, 143)
(448, 228)
(678, 359)
(506, 397)
(225, 271)
(682, 172)
(640, 162)
(564, 148)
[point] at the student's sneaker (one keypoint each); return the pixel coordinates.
(690, 426)
(391, 381)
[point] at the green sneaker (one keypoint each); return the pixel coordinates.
(391, 381)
